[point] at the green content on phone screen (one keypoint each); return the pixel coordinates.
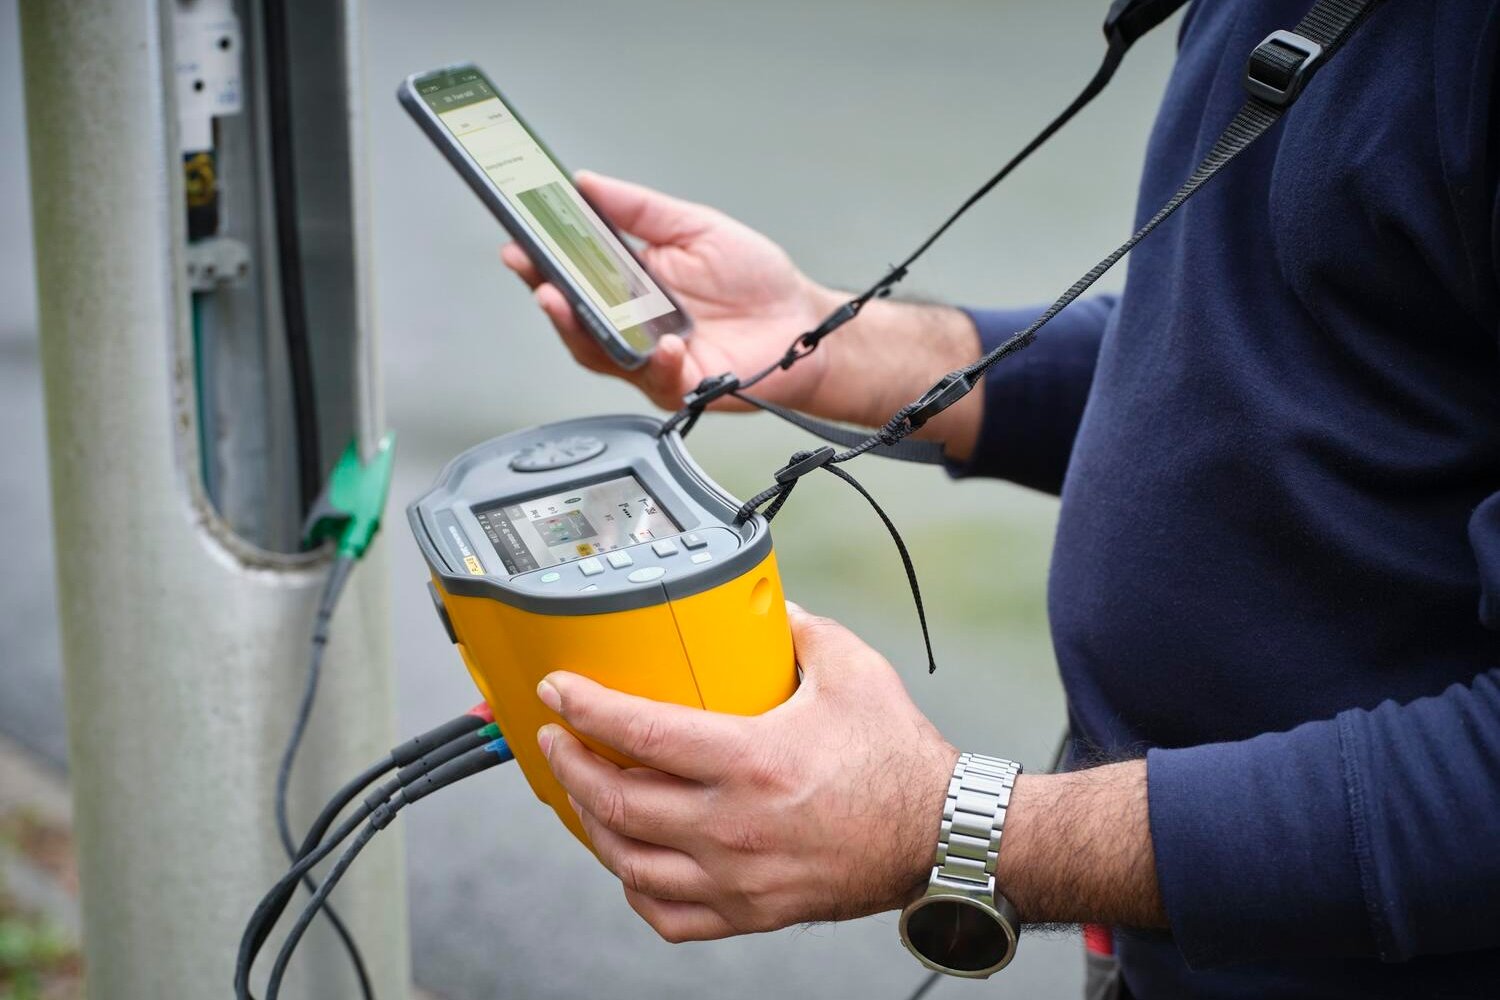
(538, 190)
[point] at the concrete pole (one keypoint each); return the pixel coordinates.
(184, 647)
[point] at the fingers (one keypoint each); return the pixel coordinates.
(654, 217)
(669, 373)
(639, 804)
(650, 869)
(513, 257)
(584, 348)
(676, 921)
(691, 742)
(579, 342)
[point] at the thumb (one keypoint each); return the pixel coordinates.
(825, 649)
(654, 217)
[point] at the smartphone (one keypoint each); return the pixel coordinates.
(573, 246)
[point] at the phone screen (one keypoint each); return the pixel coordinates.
(535, 186)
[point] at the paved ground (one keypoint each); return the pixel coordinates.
(844, 129)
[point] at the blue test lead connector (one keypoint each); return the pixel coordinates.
(500, 749)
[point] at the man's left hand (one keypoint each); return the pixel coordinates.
(824, 808)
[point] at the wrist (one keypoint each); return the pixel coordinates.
(1028, 804)
(1078, 848)
(924, 821)
(892, 353)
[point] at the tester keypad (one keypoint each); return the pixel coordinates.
(586, 517)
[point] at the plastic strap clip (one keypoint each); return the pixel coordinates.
(945, 392)
(804, 462)
(711, 388)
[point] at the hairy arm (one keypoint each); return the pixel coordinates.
(1077, 848)
(891, 354)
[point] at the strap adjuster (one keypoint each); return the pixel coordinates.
(1280, 67)
(944, 393)
(804, 462)
(709, 389)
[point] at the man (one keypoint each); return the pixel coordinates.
(1276, 582)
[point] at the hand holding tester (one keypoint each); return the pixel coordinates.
(575, 248)
(598, 546)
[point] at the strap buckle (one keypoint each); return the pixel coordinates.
(1280, 67)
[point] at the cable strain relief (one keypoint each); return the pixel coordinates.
(469, 764)
(381, 818)
(378, 797)
(416, 747)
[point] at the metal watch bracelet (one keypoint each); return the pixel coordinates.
(963, 876)
(973, 820)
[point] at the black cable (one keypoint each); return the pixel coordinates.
(459, 731)
(333, 587)
(804, 462)
(274, 902)
(340, 802)
(492, 754)
(289, 253)
(462, 725)
(319, 898)
(443, 754)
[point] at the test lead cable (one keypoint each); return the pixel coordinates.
(491, 754)
(349, 511)
(414, 759)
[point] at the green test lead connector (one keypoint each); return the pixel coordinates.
(350, 506)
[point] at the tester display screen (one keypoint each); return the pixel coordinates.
(574, 524)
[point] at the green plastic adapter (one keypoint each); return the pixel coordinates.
(350, 506)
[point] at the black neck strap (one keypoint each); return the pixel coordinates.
(1126, 22)
(1278, 70)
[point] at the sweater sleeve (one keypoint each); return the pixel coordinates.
(1371, 833)
(1033, 401)
(1368, 834)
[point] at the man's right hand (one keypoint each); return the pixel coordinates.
(746, 298)
(747, 301)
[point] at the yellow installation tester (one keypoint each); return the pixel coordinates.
(598, 546)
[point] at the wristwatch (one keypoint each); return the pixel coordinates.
(961, 925)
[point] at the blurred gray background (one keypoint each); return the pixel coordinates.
(843, 129)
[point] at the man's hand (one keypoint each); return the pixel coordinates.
(748, 301)
(825, 808)
(746, 298)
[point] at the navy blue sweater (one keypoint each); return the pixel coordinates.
(1277, 568)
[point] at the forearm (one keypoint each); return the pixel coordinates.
(891, 354)
(1077, 848)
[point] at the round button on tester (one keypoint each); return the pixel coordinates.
(558, 454)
